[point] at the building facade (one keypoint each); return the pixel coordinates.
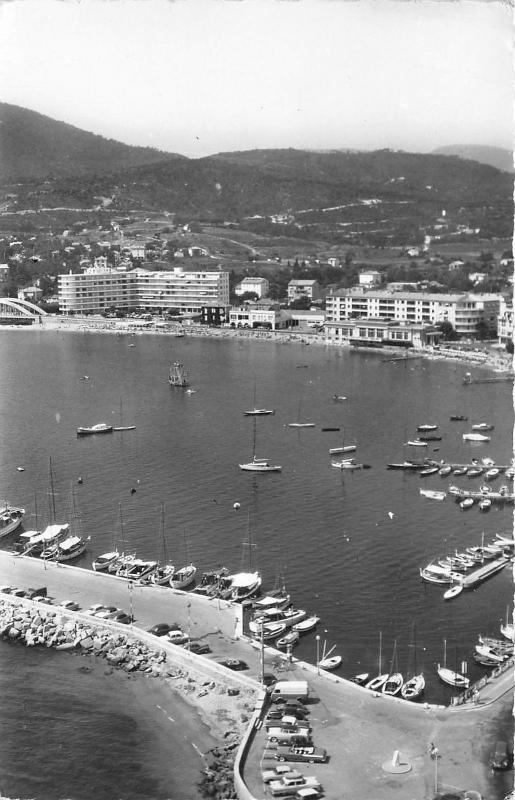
(299, 289)
(259, 286)
(465, 312)
(260, 315)
(96, 290)
(378, 333)
(505, 331)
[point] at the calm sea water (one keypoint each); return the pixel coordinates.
(348, 544)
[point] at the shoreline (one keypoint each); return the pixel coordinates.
(494, 358)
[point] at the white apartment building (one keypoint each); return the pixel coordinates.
(94, 290)
(259, 315)
(505, 322)
(259, 286)
(463, 311)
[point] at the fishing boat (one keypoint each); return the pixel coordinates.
(258, 464)
(483, 426)
(164, 571)
(289, 639)
(10, 518)
(70, 548)
(458, 418)
(416, 443)
(428, 471)
(445, 470)
(139, 569)
(475, 437)
(460, 471)
(100, 427)
(432, 494)
(376, 683)
(307, 624)
(449, 676)
(210, 580)
(270, 630)
(102, 562)
(490, 474)
(245, 585)
(474, 472)
(178, 375)
(271, 601)
(426, 427)
(183, 577)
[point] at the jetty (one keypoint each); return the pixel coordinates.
(495, 497)
(469, 380)
(486, 571)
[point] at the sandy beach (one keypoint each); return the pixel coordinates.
(488, 355)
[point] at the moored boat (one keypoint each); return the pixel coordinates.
(103, 561)
(475, 437)
(427, 427)
(259, 412)
(330, 662)
(454, 591)
(307, 624)
(376, 683)
(183, 577)
(10, 518)
(245, 585)
(100, 427)
(433, 494)
(467, 502)
(413, 687)
(393, 684)
(289, 639)
(70, 548)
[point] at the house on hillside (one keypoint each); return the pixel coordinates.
(259, 286)
(370, 277)
(298, 289)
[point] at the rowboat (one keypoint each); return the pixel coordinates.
(289, 639)
(467, 502)
(413, 687)
(331, 662)
(433, 494)
(306, 625)
(427, 427)
(454, 591)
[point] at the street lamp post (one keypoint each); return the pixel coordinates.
(131, 587)
(317, 637)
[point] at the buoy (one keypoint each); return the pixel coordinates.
(133, 490)
(236, 505)
(79, 479)
(21, 469)
(391, 514)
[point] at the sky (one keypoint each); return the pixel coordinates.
(204, 76)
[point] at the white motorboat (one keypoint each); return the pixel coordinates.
(10, 518)
(435, 573)
(491, 653)
(245, 585)
(271, 601)
(416, 443)
(259, 412)
(428, 471)
(454, 591)
(271, 630)
(475, 437)
(426, 427)
(483, 426)
(347, 448)
(433, 494)
(288, 639)
(102, 562)
(492, 473)
(445, 470)
(467, 502)
(289, 617)
(260, 465)
(301, 425)
(183, 577)
(485, 504)
(347, 463)
(100, 427)
(306, 624)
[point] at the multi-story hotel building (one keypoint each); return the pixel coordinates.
(96, 290)
(463, 311)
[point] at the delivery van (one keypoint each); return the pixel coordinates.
(289, 690)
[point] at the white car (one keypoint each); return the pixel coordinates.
(177, 637)
(92, 610)
(69, 605)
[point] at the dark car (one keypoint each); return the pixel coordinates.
(278, 712)
(122, 617)
(161, 629)
(197, 648)
(268, 679)
(234, 663)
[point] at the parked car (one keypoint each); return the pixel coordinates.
(234, 663)
(39, 598)
(120, 616)
(105, 612)
(177, 636)
(285, 786)
(197, 648)
(279, 771)
(69, 605)
(289, 735)
(501, 758)
(6, 589)
(161, 629)
(287, 722)
(92, 610)
(309, 754)
(278, 712)
(268, 679)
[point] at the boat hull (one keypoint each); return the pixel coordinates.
(10, 519)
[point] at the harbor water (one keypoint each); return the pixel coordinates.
(348, 544)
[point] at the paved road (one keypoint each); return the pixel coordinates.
(361, 731)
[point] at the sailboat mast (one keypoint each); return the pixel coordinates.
(380, 649)
(52, 495)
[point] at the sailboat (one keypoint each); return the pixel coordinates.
(394, 681)
(507, 628)
(414, 686)
(122, 559)
(449, 676)
(72, 546)
(185, 576)
(164, 571)
(259, 464)
(258, 412)
(104, 561)
(178, 375)
(328, 661)
(121, 426)
(376, 683)
(345, 448)
(300, 424)
(245, 585)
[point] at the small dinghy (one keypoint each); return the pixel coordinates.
(467, 502)
(290, 639)
(414, 687)
(331, 662)
(454, 591)
(306, 625)
(361, 678)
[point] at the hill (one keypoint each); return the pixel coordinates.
(494, 156)
(33, 145)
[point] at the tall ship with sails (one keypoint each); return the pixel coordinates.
(178, 375)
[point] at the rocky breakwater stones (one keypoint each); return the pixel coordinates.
(217, 781)
(35, 625)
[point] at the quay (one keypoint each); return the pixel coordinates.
(361, 730)
(496, 497)
(484, 572)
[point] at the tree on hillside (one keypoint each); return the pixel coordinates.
(302, 304)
